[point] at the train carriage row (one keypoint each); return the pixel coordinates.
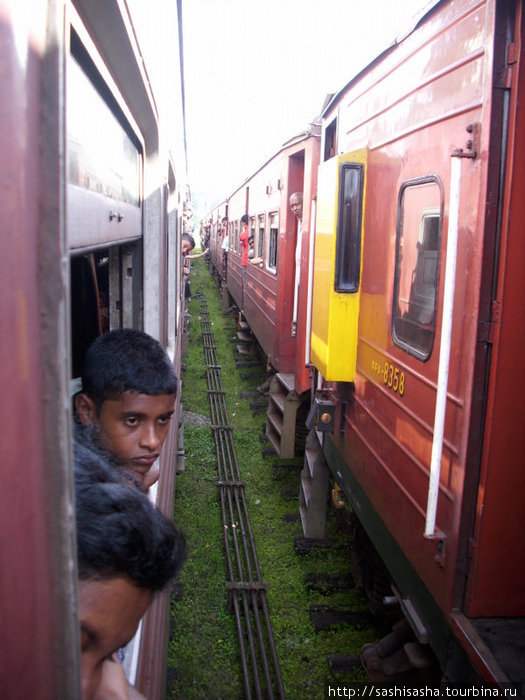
(93, 189)
(401, 326)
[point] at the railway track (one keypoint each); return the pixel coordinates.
(246, 588)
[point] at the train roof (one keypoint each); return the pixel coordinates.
(426, 8)
(314, 129)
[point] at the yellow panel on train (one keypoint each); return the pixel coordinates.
(337, 265)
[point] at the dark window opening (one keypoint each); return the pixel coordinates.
(106, 293)
(89, 303)
(329, 140)
(348, 241)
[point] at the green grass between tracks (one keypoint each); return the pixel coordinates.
(203, 660)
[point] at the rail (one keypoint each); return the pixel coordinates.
(247, 591)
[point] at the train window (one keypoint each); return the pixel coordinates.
(419, 221)
(348, 241)
(104, 157)
(101, 156)
(272, 241)
(329, 140)
(106, 293)
(260, 236)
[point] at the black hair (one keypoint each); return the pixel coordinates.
(188, 237)
(86, 437)
(244, 218)
(120, 533)
(126, 359)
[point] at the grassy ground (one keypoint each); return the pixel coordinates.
(203, 653)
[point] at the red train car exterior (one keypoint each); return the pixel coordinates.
(428, 139)
(274, 300)
(270, 287)
(63, 214)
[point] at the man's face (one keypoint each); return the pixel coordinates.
(109, 613)
(296, 205)
(186, 247)
(132, 428)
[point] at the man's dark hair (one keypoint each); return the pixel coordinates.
(120, 533)
(86, 437)
(244, 218)
(126, 359)
(187, 237)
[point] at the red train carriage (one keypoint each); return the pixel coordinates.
(91, 217)
(275, 300)
(418, 324)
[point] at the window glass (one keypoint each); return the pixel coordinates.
(260, 237)
(101, 156)
(272, 241)
(420, 213)
(348, 244)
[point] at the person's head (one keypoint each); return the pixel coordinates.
(244, 219)
(296, 204)
(128, 396)
(188, 243)
(126, 552)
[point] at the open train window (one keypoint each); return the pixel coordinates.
(260, 235)
(348, 240)
(106, 293)
(419, 223)
(272, 241)
(329, 140)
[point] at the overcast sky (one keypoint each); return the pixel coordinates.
(258, 71)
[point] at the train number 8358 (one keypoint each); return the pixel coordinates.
(392, 377)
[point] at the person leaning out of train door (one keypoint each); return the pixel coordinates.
(296, 205)
(243, 239)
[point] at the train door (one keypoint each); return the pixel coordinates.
(289, 262)
(495, 545)
(337, 266)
